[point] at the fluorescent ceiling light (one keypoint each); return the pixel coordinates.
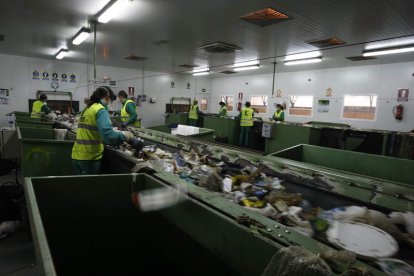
(201, 73)
(303, 56)
(112, 9)
(388, 51)
(61, 54)
(201, 70)
(244, 68)
(395, 42)
(246, 63)
(81, 36)
(303, 61)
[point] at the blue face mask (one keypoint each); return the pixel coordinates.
(103, 102)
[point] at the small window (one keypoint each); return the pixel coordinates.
(203, 105)
(229, 100)
(259, 104)
(300, 105)
(359, 107)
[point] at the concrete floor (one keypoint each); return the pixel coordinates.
(16, 251)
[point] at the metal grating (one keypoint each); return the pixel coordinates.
(219, 47)
(1, 37)
(360, 58)
(132, 57)
(190, 66)
(265, 17)
(333, 41)
(228, 72)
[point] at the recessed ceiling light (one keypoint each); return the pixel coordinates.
(265, 17)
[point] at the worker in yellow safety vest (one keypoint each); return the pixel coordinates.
(95, 130)
(246, 123)
(39, 107)
(279, 115)
(193, 113)
(128, 112)
(223, 110)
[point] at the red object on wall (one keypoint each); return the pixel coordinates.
(398, 111)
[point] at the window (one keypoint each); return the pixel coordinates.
(229, 100)
(259, 104)
(359, 107)
(203, 104)
(300, 105)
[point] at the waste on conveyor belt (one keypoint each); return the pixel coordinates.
(253, 189)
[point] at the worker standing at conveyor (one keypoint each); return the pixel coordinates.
(223, 110)
(128, 112)
(279, 115)
(95, 129)
(39, 107)
(193, 113)
(246, 123)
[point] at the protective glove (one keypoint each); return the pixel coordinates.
(128, 135)
(136, 143)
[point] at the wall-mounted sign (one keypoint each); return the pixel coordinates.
(54, 84)
(172, 84)
(54, 77)
(36, 75)
(4, 96)
(72, 78)
(64, 78)
(203, 90)
(323, 106)
(403, 94)
(328, 92)
(45, 76)
(240, 95)
(113, 83)
(188, 85)
(278, 93)
(131, 91)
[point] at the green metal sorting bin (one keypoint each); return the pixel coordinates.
(326, 124)
(204, 134)
(377, 166)
(286, 135)
(41, 133)
(41, 157)
(176, 118)
(25, 116)
(37, 124)
(226, 129)
(88, 226)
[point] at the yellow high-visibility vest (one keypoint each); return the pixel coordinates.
(37, 109)
(125, 114)
(88, 144)
(193, 112)
(246, 117)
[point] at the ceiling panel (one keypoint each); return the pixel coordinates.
(38, 28)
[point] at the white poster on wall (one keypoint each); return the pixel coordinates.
(4, 96)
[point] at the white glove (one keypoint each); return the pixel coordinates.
(128, 135)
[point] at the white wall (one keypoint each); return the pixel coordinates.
(16, 74)
(382, 80)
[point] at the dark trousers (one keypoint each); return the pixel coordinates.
(193, 122)
(244, 136)
(87, 167)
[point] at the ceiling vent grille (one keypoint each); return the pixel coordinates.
(265, 17)
(228, 72)
(189, 66)
(333, 41)
(1, 37)
(136, 58)
(219, 47)
(161, 42)
(360, 58)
